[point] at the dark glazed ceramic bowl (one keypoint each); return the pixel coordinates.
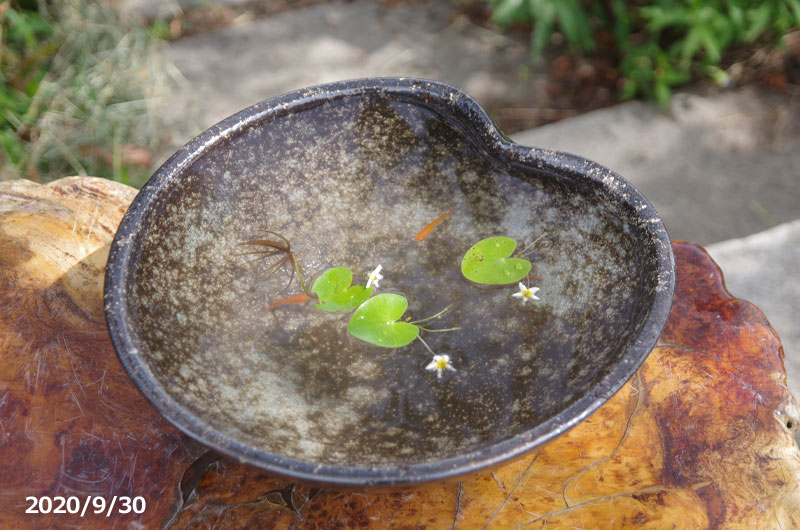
(350, 172)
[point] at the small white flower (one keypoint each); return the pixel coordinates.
(526, 293)
(440, 363)
(375, 276)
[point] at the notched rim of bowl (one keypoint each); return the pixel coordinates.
(474, 122)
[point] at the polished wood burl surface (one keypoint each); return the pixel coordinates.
(701, 437)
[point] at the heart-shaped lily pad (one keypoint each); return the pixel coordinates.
(488, 262)
(334, 291)
(375, 321)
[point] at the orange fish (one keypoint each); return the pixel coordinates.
(296, 299)
(428, 229)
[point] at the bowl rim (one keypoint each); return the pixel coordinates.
(480, 126)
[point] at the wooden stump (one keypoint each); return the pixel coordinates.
(701, 437)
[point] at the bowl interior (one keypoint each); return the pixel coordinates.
(350, 179)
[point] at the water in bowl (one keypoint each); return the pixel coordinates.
(350, 183)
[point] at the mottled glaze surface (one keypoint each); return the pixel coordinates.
(350, 172)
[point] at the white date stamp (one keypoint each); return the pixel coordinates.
(91, 504)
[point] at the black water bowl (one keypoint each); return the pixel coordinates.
(351, 174)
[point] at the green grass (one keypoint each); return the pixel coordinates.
(81, 93)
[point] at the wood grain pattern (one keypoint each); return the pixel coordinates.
(71, 422)
(701, 437)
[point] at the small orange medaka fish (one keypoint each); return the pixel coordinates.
(428, 229)
(296, 299)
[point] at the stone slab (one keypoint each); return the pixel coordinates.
(233, 68)
(715, 167)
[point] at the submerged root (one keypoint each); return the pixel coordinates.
(271, 248)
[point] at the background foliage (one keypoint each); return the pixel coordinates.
(81, 87)
(659, 43)
(80, 91)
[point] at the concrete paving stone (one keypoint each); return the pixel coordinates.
(152, 9)
(764, 268)
(233, 68)
(716, 167)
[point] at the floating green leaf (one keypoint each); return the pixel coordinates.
(334, 291)
(488, 262)
(375, 321)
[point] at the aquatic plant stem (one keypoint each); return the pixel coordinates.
(429, 330)
(426, 345)
(299, 274)
(437, 315)
(523, 251)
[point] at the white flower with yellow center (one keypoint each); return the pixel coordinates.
(374, 277)
(440, 363)
(526, 293)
